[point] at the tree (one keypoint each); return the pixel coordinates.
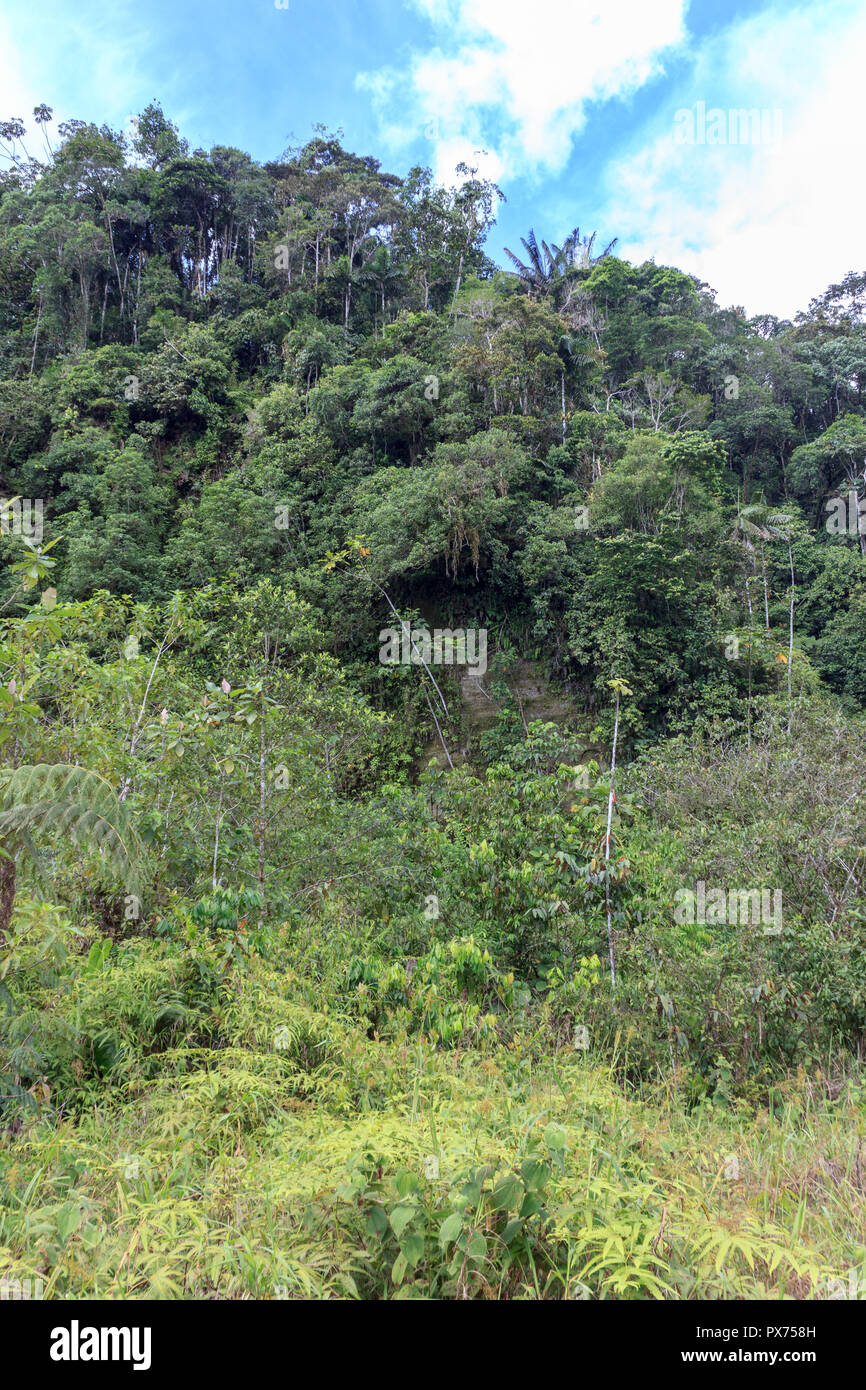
(383, 277)
(156, 138)
(619, 688)
(836, 457)
(660, 480)
(573, 352)
(753, 523)
(538, 274)
(786, 525)
(549, 265)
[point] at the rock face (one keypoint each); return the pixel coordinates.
(480, 711)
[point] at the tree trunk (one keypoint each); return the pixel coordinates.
(104, 303)
(459, 280)
(791, 632)
(114, 257)
(35, 337)
(7, 893)
(262, 794)
(749, 706)
(216, 836)
(563, 402)
(610, 801)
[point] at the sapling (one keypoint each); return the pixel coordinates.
(619, 688)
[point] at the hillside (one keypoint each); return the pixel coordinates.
(432, 711)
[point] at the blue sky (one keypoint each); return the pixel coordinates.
(575, 103)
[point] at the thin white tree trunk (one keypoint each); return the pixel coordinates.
(262, 791)
(610, 801)
(791, 633)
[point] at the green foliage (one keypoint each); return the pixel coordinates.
(304, 984)
(61, 801)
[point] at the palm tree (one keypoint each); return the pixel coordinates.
(576, 250)
(538, 275)
(383, 277)
(749, 525)
(547, 264)
(760, 522)
(754, 523)
(72, 803)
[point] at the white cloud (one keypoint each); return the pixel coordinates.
(98, 71)
(768, 225)
(516, 78)
(17, 97)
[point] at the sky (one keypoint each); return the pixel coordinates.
(614, 116)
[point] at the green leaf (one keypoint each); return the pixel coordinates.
(68, 1220)
(536, 1172)
(450, 1228)
(406, 1183)
(507, 1193)
(532, 1204)
(413, 1247)
(400, 1218)
(377, 1221)
(477, 1247)
(556, 1137)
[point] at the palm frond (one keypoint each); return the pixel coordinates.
(533, 252)
(523, 269)
(549, 264)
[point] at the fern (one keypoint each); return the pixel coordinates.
(72, 802)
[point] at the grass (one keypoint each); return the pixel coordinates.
(242, 1173)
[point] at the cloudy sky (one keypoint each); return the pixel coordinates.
(602, 115)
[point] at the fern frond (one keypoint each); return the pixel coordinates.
(75, 803)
